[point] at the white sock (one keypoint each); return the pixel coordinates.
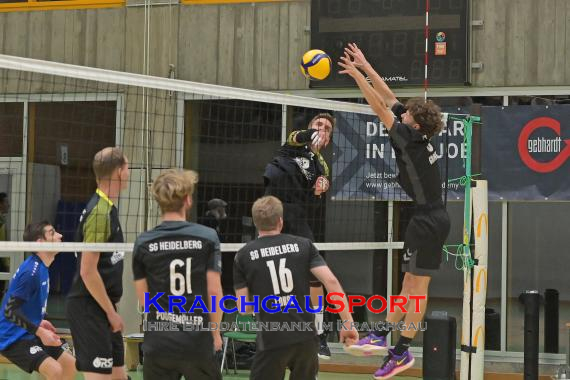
(319, 323)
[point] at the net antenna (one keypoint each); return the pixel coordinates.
(426, 52)
(473, 262)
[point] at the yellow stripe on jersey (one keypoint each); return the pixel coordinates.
(97, 227)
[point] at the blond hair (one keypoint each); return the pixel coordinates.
(171, 188)
(266, 212)
(106, 161)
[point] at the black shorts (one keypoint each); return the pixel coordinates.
(168, 368)
(97, 348)
(29, 354)
(425, 236)
(301, 359)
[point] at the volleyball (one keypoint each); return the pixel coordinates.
(316, 64)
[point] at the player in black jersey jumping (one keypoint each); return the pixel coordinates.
(281, 266)
(298, 173)
(180, 259)
(98, 283)
(410, 132)
(296, 176)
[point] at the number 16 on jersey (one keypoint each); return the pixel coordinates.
(282, 282)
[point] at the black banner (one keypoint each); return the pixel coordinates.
(526, 152)
(364, 164)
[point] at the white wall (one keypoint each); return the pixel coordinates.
(46, 191)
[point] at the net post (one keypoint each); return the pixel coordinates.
(475, 278)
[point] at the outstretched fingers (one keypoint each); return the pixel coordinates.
(347, 64)
(352, 49)
(356, 54)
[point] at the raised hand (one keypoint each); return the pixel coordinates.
(317, 140)
(321, 185)
(348, 65)
(357, 55)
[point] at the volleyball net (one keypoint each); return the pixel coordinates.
(54, 117)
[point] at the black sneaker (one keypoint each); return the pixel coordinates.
(324, 350)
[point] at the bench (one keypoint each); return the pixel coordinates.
(64, 334)
(132, 358)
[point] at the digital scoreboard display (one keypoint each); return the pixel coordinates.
(391, 35)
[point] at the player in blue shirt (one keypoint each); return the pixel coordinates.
(26, 338)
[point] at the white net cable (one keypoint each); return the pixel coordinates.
(130, 79)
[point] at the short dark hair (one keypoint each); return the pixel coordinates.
(3, 197)
(35, 231)
(323, 115)
(427, 114)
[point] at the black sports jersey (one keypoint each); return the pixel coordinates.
(174, 258)
(292, 173)
(417, 161)
(99, 223)
(279, 265)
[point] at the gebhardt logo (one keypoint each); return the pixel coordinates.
(527, 145)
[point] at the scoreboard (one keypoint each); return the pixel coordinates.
(391, 35)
